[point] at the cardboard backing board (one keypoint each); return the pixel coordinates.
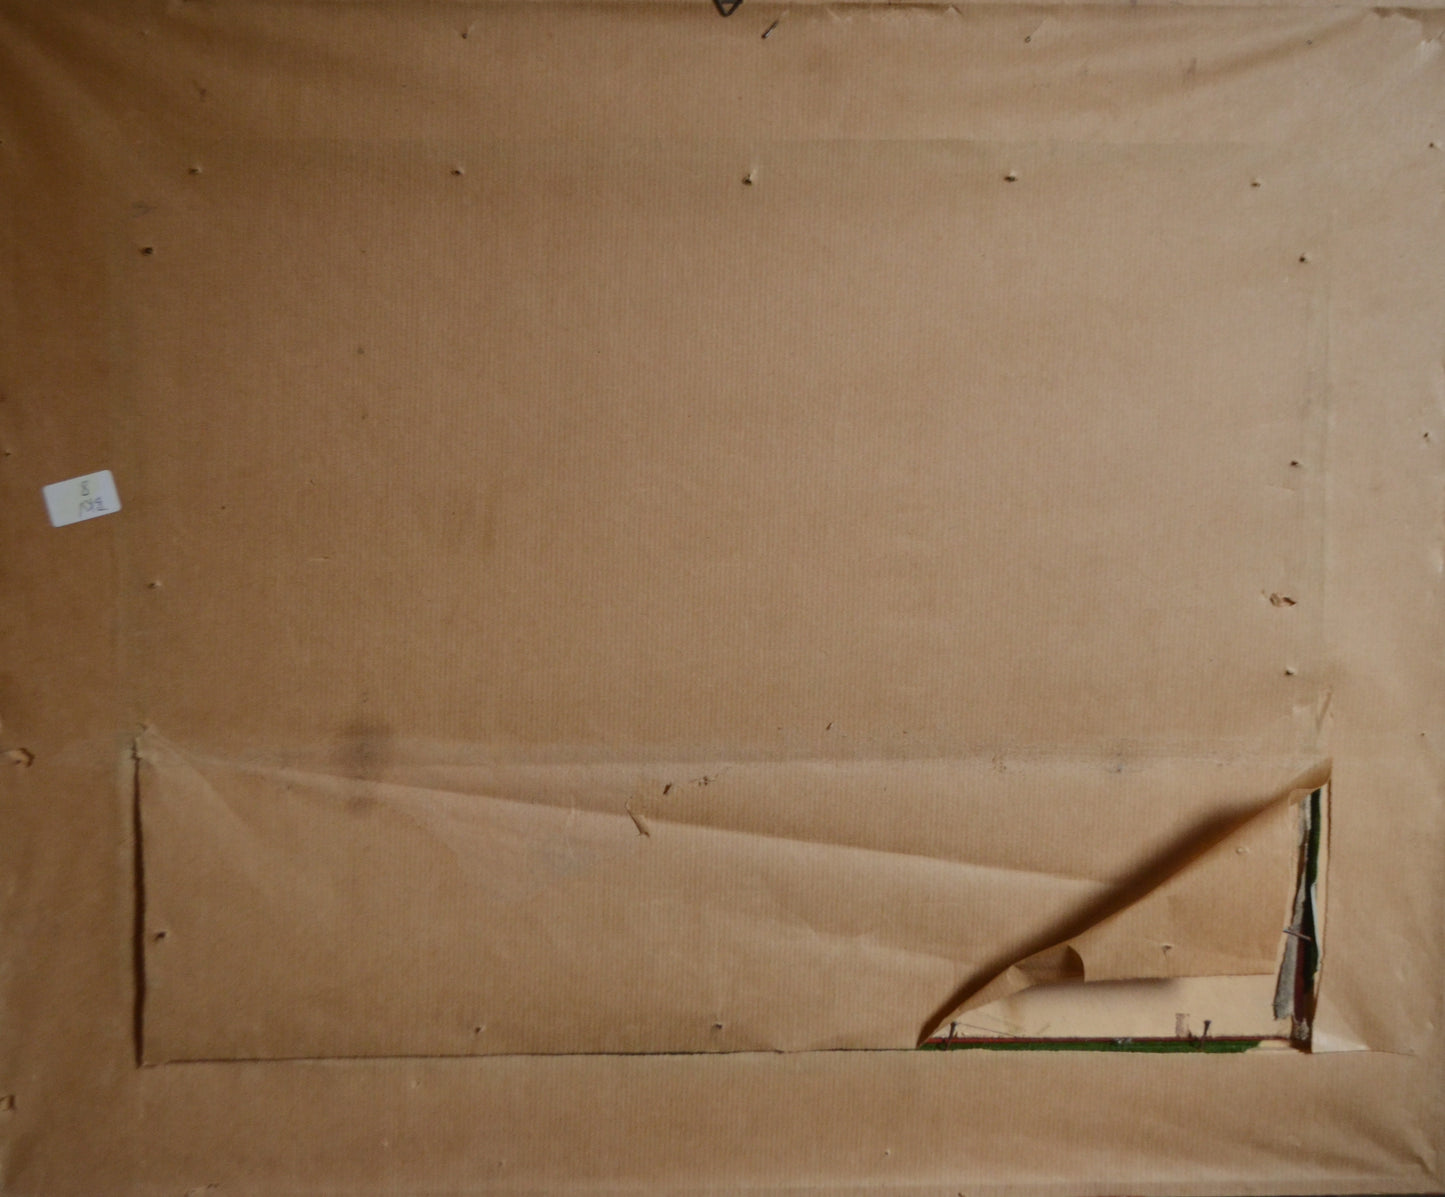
(691, 552)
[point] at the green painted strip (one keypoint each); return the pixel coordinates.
(1158, 1046)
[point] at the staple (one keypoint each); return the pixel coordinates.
(1256, 183)
(768, 32)
(750, 178)
(1290, 671)
(1282, 600)
(667, 789)
(194, 170)
(1011, 177)
(638, 821)
(147, 250)
(153, 584)
(21, 758)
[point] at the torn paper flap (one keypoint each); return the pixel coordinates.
(1228, 912)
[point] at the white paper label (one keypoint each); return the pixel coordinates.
(81, 498)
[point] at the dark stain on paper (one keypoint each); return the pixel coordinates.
(365, 749)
